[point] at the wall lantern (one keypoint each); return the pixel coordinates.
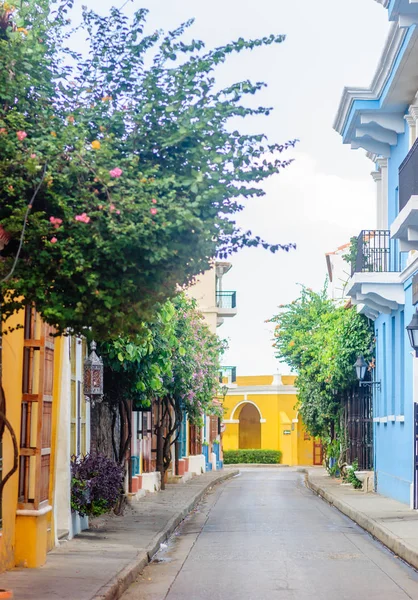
(412, 330)
(361, 368)
(93, 376)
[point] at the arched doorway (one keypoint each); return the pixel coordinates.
(249, 427)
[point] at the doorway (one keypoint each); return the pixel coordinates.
(249, 428)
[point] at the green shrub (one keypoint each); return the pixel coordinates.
(266, 457)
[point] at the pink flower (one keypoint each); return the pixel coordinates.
(116, 172)
(84, 218)
(118, 212)
(54, 240)
(21, 135)
(33, 155)
(154, 201)
(112, 207)
(153, 211)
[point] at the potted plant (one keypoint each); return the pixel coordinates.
(96, 485)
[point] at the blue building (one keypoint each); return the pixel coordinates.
(383, 120)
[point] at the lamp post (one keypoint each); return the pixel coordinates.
(412, 330)
(93, 376)
(361, 367)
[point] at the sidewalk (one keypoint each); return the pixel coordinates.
(101, 563)
(392, 523)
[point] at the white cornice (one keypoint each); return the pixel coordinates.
(390, 52)
(262, 390)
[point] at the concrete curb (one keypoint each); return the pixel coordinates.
(396, 545)
(256, 466)
(114, 589)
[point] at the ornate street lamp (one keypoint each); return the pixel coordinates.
(93, 376)
(412, 330)
(361, 368)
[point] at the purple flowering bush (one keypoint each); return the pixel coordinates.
(96, 484)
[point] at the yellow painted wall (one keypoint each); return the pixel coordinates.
(25, 540)
(281, 429)
(12, 385)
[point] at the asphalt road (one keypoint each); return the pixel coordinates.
(264, 536)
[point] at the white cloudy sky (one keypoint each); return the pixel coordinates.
(327, 194)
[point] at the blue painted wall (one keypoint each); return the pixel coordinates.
(394, 439)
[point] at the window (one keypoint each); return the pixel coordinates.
(393, 366)
(79, 445)
(402, 363)
(384, 372)
(36, 413)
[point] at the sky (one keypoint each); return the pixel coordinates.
(327, 195)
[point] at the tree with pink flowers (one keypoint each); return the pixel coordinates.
(120, 176)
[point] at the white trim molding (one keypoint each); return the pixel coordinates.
(230, 421)
(405, 227)
(376, 293)
(400, 418)
(27, 512)
(391, 418)
(246, 402)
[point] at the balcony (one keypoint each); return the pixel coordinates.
(375, 286)
(374, 253)
(226, 303)
(228, 375)
(405, 226)
(226, 300)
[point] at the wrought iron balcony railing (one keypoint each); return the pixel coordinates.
(375, 253)
(408, 176)
(226, 299)
(228, 373)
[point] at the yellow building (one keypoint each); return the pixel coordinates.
(260, 413)
(31, 364)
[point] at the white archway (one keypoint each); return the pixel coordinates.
(232, 419)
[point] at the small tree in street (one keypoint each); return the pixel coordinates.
(320, 342)
(174, 364)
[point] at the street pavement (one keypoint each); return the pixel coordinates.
(100, 563)
(262, 536)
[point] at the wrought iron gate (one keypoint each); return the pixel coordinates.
(358, 424)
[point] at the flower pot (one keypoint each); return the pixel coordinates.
(6, 594)
(182, 467)
(134, 486)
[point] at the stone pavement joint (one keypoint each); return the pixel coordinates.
(391, 522)
(102, 562)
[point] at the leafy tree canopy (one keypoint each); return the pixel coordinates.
(174, 358)
(320, 342)
(120, 164)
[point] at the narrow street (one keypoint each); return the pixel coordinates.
(263, 535)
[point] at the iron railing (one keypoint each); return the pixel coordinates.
(408, 176)
(226, 299)
(229, 373)
(375, 253)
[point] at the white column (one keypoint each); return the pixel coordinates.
(377, 178)
(383, 200)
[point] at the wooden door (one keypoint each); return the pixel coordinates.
(318, 453)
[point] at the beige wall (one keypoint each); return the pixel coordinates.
(204, 292)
